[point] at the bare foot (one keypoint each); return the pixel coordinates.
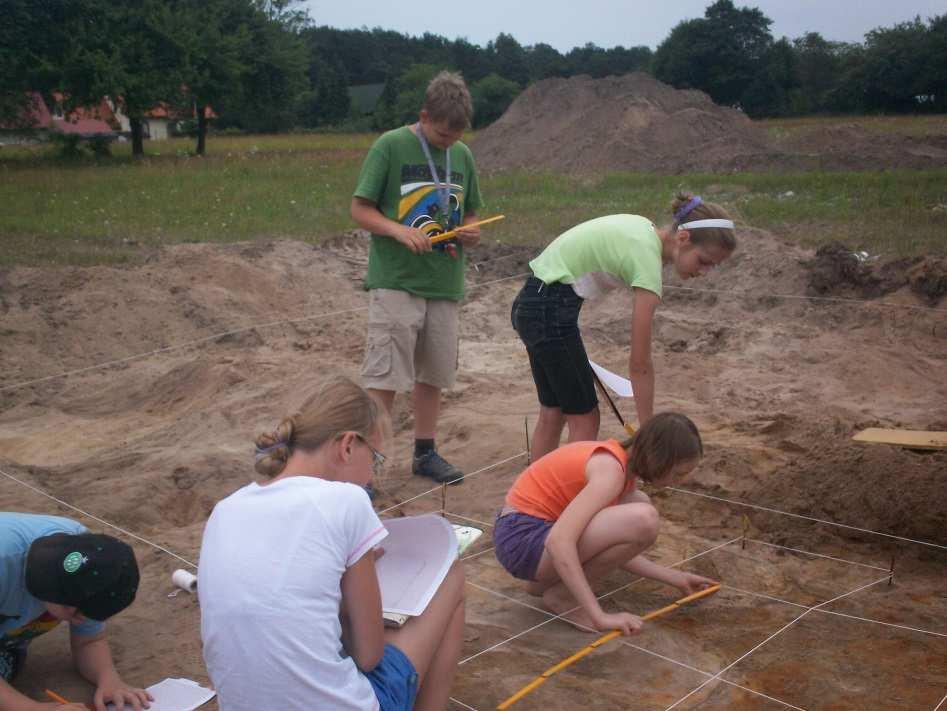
(560, 603)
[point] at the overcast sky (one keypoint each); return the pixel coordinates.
(565, 24)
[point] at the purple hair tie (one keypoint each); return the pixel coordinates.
(685, 211)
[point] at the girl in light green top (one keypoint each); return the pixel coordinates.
(585, 262)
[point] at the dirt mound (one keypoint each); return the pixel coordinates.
(836, 270)
(636, 123)
(631, 122)
(878, 487)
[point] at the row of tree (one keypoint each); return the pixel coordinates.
(263, 65)
(731, 54)
(245, 58)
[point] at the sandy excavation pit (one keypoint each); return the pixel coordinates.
(777, 386)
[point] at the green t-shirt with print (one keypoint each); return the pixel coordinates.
(604, 253)
(396, 177)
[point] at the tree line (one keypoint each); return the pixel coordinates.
(265, 65)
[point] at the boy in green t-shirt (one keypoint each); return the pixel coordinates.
(417, 182)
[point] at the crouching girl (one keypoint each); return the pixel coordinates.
(574, 515)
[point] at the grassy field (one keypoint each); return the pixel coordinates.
(298, 186)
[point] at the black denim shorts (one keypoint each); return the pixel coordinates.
(546, 317)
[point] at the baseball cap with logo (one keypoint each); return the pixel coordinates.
(95, 573)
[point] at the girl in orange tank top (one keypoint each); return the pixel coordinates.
(574, 515)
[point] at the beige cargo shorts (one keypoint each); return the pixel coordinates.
(410, 339)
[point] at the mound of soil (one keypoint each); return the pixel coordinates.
(878, 487)
(837, 270)
(631, 122)
(636, 123)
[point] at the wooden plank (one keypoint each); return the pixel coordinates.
(913, 439)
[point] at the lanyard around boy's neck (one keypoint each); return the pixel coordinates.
(443, 192)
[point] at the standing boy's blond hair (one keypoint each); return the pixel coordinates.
(447, 100)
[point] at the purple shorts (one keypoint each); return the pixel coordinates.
(519, 540)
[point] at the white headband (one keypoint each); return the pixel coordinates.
(697, 224)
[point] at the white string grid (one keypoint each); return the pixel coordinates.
(805, 518)
(553, 618)
(556, 617)
(214, 337)
(772, 636)
(96, 518)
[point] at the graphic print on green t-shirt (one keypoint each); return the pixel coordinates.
(419, 205)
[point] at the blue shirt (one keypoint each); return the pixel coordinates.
(22, 616)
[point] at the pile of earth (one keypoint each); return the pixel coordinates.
(836, 270)
(634, 122)
(631, 122)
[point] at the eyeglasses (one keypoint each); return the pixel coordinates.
(378, 459)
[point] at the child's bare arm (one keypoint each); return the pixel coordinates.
(605, 481)
(640, 367)
(685, 582)
(363, 631)
(367, 216)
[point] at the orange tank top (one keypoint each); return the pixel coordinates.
(550, 483)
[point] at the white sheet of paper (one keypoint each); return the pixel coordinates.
(419, 551)
(176, 695)
(466, 536)
(619, 385)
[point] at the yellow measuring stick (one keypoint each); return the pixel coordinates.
(450, 233)
(598, 643)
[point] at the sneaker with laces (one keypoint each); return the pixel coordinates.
(434, 466)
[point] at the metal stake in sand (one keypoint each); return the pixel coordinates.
(601, 388)
(452, 233)
(529, 459)
(444, 499)
(746, 527)
(539, 680)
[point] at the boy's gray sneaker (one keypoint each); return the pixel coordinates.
(434, 466)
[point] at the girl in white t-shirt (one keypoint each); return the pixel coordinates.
(290, 605)
(585, 262)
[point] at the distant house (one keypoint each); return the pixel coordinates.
(364, 97)
(85, 121)
(105, 119)
(159, 122)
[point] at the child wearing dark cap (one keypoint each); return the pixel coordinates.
(53, 570)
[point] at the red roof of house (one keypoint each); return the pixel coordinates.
(84, 127)
(100, 112)
(36, 115)
(162, 111)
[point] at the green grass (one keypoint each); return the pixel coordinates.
(299, 186)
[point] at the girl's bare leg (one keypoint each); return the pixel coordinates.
(433, 640)
(614, 536)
